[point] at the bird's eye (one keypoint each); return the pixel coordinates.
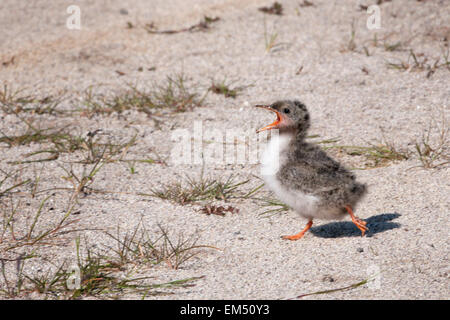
(286, 110)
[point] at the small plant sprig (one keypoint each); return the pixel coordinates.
(224, 88)
(16, 101)
(13, 288)
(378, 154)
(99, 275)
(434, 154)
(172, 95)
(106, 273)
(32, 236)
(140, 247)
(270, 39)
(202, 189)
(273, 206)
(420, 62)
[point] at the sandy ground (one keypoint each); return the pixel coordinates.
(350, 94)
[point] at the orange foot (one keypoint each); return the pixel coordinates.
(360, 224)
(300, 234)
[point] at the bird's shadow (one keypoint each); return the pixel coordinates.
(376, 224)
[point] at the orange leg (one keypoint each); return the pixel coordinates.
(300, 234)
(360, 224)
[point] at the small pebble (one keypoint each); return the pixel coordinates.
(360, 249)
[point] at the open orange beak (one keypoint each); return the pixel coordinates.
(273, 125)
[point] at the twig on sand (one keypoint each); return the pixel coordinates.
(201, 26)
(352, 286)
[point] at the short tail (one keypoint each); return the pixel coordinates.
(358, 190)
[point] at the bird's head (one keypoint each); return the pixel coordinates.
(292, 117)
